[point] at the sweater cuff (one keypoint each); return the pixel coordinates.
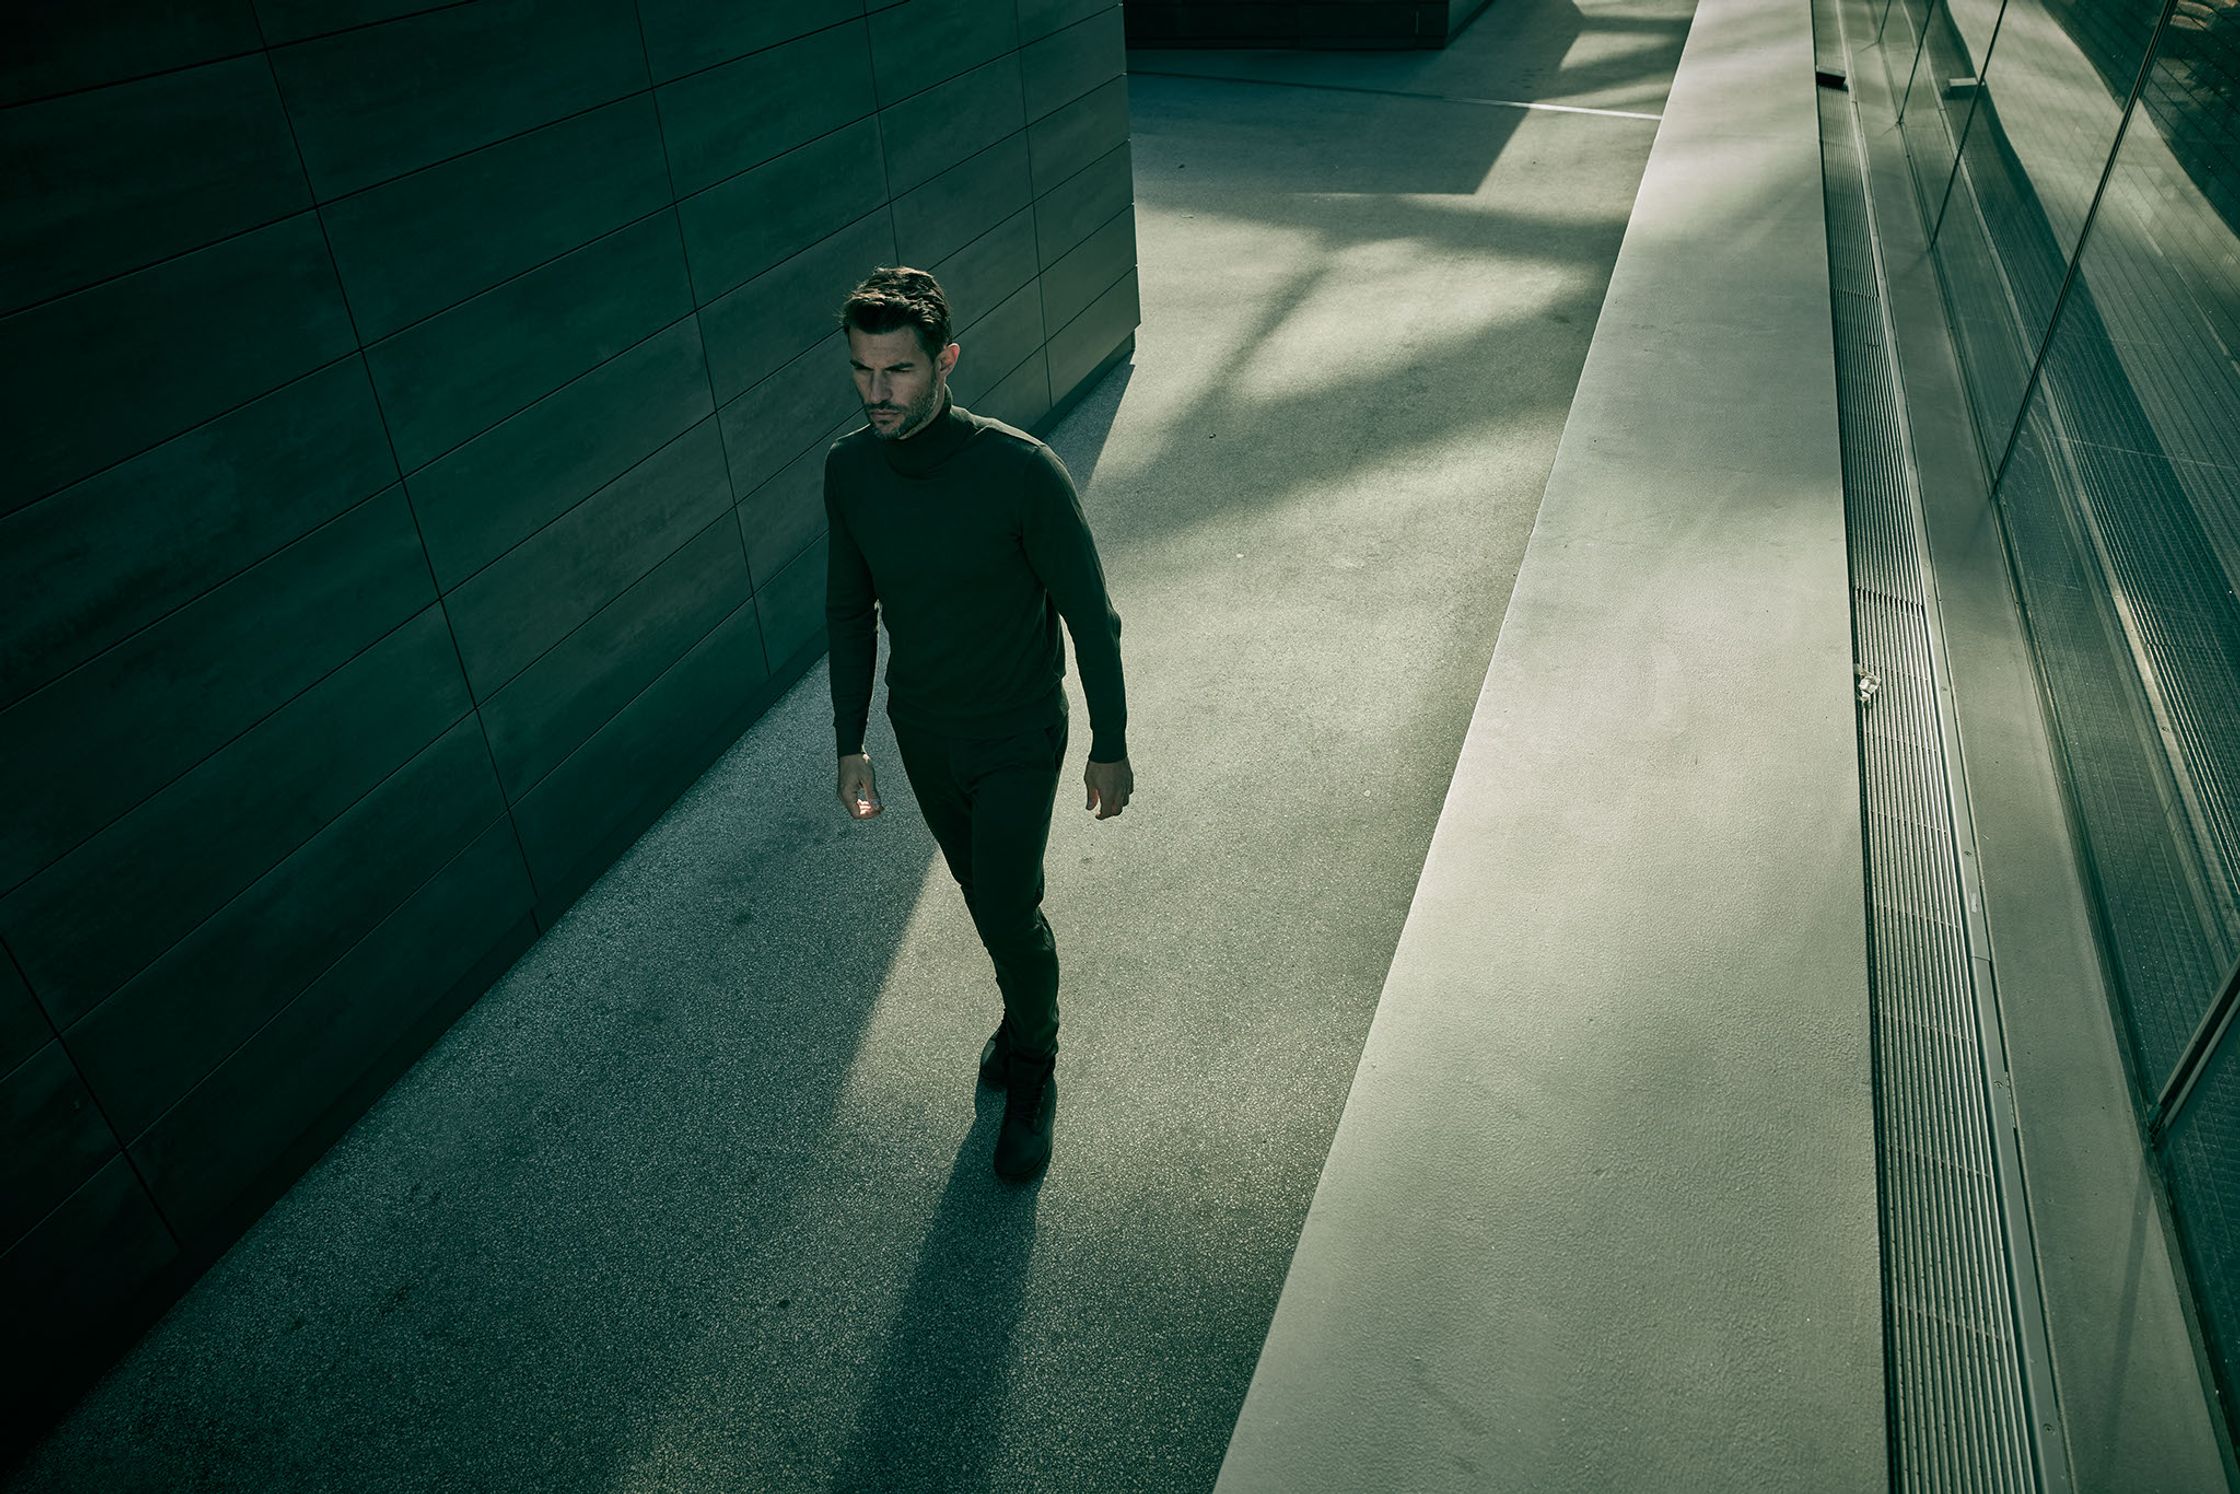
(1108, 747)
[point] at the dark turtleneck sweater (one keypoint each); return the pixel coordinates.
(968, 537)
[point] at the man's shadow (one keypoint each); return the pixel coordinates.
(926, 1416)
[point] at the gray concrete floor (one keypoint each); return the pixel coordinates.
(698, 1196)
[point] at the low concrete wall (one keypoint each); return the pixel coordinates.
(1601, 1211)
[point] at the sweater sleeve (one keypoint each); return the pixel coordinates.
(1063, 553)
(851, 625)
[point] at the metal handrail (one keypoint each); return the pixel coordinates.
(2216, 1027)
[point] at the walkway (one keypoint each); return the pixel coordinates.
(697, 1197)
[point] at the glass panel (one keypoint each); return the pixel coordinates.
(2032, 141)
(2120, 498)
(2202, 1157)
(2167, 935)
(2139, 418)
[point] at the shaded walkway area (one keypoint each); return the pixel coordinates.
(698, 1196)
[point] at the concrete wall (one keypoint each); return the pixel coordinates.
(1336, 24)
(414, 482)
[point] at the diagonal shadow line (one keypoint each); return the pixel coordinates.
(1394, 93)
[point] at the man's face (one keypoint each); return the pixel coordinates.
(900, 388)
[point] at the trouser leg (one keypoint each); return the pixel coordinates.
(988, 802)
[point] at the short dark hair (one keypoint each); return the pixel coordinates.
(896, 296)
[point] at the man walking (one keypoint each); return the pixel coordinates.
(967, 535)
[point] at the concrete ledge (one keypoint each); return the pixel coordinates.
(1601, 1210)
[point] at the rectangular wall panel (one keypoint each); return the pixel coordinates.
(1067, 64)
(747, 223)
(931, 131)
(786, 413)
(572, 691)
(208, 672)
(785, 514)
(733, 117)
(81, 1268)
(1023, 398)
(1039, 18)
(1001, 341)
(23, 1024)
(1088, 270)
(602, 784)
(791, 605)
(104, 374)
(138, 172)
(965, 201)
(986, 272)
(766, 323)
(423, 243)
(1082, 343)
(687, 36)
(104, 912)
(98, 561)
(219, 1138)
(377, 102)
(52, 1139)
(67, 47)
(146, 1046)
(1065, 140)
(452, 377)
(927, 42)
(1084, 203)
(543, 588)
(485, 497)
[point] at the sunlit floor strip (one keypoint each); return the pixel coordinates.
(1401, 93)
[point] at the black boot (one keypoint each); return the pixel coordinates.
(995, 1055)
(1029, 1103)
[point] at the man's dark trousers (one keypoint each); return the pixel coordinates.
(988, 802)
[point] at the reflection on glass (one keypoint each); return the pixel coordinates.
(2102, 251)
(2031, 141)
(2198, 1156)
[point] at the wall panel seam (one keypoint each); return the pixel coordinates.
(1091, 304)
(156, 264)
(161, 72)
(623, 709)
(277, 707)
(412, 512)
(1098, 160)
(755, 52)
(707, 375)
(1120, 72)
(251, 885)
(312, 36)
(472, 838)
(748, 170)
(486, 696)
(232, 409)
(460, 155)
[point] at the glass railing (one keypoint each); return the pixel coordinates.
(2079, 162)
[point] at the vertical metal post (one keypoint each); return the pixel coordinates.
(1975, 104)
(2084, 239)
(2216, 1027)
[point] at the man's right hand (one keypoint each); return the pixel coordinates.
(858, 793)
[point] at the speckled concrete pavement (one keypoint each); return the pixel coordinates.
(698, 1197)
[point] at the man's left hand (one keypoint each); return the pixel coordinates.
(1110, 784)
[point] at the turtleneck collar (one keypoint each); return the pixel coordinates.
(943, 437)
